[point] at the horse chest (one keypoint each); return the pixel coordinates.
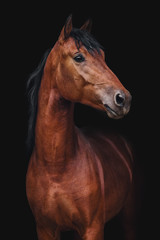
(67, 203)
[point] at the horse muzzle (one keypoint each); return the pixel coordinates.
(116, 103)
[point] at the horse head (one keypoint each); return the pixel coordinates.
(82, 74)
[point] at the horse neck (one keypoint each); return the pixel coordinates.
(55, 135)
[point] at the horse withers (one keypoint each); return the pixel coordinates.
(77, 180)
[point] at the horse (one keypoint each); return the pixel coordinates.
(78, 179)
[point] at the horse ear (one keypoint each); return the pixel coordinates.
(87, 26)
(68, 26)
(66, 30)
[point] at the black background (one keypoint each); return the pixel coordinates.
(127, 33)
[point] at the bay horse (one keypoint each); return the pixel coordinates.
(77, 180)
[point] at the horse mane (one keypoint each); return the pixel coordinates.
(81, 37)
(33, 85)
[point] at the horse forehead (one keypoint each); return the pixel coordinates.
(69, 45)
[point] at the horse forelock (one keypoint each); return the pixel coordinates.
(84, 38)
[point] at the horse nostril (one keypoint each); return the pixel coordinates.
(119, 99)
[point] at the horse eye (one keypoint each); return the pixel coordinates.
(79, 58)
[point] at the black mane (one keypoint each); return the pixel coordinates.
(33, 85)
(81, 37)
(84, 38)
